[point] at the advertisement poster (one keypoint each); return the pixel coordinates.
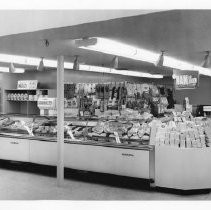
(185, 79)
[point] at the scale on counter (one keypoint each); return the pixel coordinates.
(47, 106)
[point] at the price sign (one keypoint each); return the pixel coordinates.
(117, 138)
(46, 103)
(27, 84)
(186, 79)
(27, 128)
(69, 131)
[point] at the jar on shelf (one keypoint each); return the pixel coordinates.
(22, 97)
(31, 98)
(12, 96)
(25, 97)
(18, 97)
(35, 97)
(8, 96)
(15, 97)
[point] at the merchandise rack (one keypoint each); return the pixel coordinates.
(25, 107)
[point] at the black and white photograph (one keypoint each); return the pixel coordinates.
(105, 104)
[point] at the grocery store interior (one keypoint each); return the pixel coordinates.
(105, 105)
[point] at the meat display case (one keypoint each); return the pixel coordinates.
(91, 155)
(164, 166)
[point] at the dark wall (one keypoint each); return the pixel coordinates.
(47, 79)
(200, 95)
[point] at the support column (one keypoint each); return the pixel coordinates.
(60, 120)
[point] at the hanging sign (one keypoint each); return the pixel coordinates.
(185, 79)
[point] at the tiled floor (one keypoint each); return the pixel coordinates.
(25, 185)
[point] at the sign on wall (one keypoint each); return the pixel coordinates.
(185, 79)
(27, 84)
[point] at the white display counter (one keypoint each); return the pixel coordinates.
(133, 162)
(184, 169)
(14, 149)
(118, 161)
(168, 167)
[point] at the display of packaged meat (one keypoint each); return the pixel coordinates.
(99, 128)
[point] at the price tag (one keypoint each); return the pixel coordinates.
(69, 131)
(117, 138)
(27, 128)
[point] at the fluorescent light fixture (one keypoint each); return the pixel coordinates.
(31, 61)
(122, 72)
(112, 47)
(4, 69)
(12, 69)
(119, 49)
(19, 59)
(17, 70)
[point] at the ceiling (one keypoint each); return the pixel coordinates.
(183, 34)
(22, 21)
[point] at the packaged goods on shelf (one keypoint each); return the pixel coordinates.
(183, 131)
(96, 99)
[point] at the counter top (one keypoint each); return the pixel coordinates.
(69, 141)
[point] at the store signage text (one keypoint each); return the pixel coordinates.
(186, 79)
(27, 84)
(46, 103)
(127, 154)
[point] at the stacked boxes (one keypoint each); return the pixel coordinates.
(183, 134)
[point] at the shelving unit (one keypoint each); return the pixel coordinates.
(25, 107)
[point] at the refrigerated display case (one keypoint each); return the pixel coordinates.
(103, 154)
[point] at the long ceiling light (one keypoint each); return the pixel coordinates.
(32, 61)
(122, 72)
(6, 70)
(117, 48)
(112, 47)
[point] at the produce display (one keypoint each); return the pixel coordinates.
(94, 99)
(184, 131)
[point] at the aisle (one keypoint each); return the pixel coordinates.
(21, 185)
